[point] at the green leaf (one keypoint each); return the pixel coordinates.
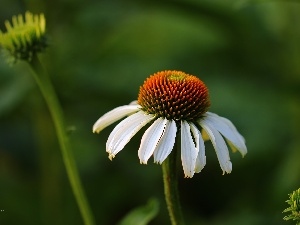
(142, 215)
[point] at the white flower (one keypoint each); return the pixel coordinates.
(158, 140)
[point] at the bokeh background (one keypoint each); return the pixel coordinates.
(246, 51)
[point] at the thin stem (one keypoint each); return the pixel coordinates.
(170, 178)
(49, 94)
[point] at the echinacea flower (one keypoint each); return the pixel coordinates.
(24, 37)
(294, 209)
(175, 103)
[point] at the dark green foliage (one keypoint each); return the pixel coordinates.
(246, 52)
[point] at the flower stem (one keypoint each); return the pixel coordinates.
(170, 178)
(49, 94)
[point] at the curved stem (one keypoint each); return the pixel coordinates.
(170, 178)
(49, 94)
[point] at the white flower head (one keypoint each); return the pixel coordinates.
(175, 103)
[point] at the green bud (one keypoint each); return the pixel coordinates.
(24, 36)
(294, 209)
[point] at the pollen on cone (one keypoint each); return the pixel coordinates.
(174, 95)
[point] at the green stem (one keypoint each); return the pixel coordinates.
(170, 178)
(49, 94)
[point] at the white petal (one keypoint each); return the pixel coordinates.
(228, 130)
(113, 116)
(135, 102)
(188, 150)
(150, 139)
(201, 158)
(166, 142)
(219, 145)
(124, 131)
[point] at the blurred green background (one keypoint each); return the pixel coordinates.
(246, 51)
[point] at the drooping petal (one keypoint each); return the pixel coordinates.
(228, 130)
(219, 145)
(188, 150)
(135, 102)
(113, 116)
(151, 139)
(125, 130)
(166, 142)
(201, 158)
